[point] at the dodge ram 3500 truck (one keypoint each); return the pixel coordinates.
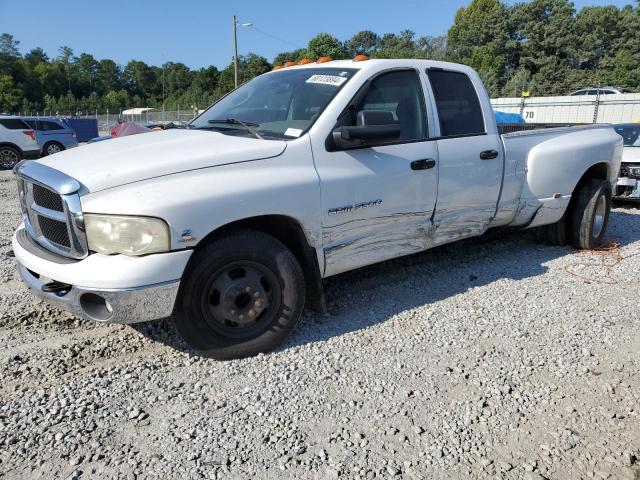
(302, 173)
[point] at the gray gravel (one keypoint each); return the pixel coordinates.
(482, 359)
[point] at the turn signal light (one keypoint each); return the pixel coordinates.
(304, 61)
(289, 64)
(360, 58)
(30, 133)
(324, 59)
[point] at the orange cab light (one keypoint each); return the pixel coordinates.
(277, 67)
(289, 64)
(324, 59)
(304, 61)
(360, 58)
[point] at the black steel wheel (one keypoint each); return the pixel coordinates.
(241, 295)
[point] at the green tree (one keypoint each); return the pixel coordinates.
(479, 37)
(398, 46)
(294, 56)
(10, 96)
(325, 45)
(365, 42)
(9, 46)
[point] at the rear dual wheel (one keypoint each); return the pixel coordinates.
(242, 295)
(585, 223)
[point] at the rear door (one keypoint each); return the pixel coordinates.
(377, 201)
(470, 157)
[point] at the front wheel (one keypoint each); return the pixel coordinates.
(242, 295)
(590, 214)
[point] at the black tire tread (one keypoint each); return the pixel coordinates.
(254, 243)
(581, 217)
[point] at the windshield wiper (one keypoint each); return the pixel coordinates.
(251, 127)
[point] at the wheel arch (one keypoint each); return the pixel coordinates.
(597, 171)
(291, 233)
(12, 145)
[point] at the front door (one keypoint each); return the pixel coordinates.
(377, 201)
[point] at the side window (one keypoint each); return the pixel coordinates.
(13, 124)
(48, 125)
(458, 106)
(400, 94)
(31, 123)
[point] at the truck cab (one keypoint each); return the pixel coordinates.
(305, 172)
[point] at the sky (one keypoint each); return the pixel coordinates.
(198, 32)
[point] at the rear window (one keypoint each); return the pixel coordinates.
(458, 106)
(13, 123)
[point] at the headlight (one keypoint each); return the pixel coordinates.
(110, 234)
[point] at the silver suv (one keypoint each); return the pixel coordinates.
(17, 141)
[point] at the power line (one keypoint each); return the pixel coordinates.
(274, 37)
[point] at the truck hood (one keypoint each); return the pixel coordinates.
(631, 154)
(115, 162)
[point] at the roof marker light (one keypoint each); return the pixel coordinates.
(289, 64)
(324, 59)
(360, 58)
(305, 61)
(277, 67)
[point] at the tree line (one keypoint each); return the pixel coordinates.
(544, 47)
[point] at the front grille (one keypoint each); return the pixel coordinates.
(51, 209)
(46, 198)
(54, 231)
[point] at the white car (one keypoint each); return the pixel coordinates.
(598, 91)
(628, 187)
(17, 141)
(300, 174)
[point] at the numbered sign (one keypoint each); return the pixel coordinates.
(529, 115)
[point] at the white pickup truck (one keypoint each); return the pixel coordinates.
(302, 173)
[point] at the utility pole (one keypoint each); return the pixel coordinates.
(235, 51)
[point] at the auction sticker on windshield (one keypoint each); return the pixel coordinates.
(334, 80)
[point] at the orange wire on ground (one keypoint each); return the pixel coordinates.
(606, 258)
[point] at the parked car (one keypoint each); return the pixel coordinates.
(52, 134)
(17, 141)
(628, 186)
(300, 174)
(598, 91)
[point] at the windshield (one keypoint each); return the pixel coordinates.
(280, 105)
(630, 134)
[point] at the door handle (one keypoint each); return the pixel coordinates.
(424, 164)
(488, 155)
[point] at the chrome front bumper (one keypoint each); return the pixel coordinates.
(126, 305)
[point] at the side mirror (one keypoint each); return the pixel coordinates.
(373, 127)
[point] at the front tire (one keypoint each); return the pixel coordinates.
(242, 295)
(9, 157)
(590, 215)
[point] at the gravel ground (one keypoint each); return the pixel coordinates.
(499, 357)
